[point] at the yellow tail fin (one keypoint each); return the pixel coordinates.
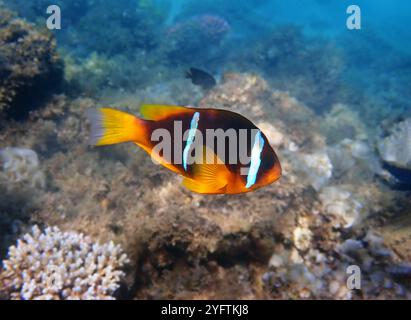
(110, 126)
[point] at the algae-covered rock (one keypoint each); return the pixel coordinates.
(30, 68)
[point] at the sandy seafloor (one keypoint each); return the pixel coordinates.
(335, 108)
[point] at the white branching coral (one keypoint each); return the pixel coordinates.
(61, 265)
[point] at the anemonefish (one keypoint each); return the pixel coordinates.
(215, 170)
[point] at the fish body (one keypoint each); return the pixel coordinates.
(201, 78)
(208, 146)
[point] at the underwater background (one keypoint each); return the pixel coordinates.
(78, 222)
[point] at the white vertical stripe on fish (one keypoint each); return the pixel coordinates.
(255, 159)
(190, 139)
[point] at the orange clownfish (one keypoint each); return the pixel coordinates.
(216, 151)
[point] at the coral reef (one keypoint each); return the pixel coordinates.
(352, 159)
(208, 27)
(133, 25)
(308, 68)
(22, 185)
(125, 58)
(250, 24)
(315, 168)
(397, 236)
(61, 265)
(341, 122)
(307, 270)
(240, 93)
(396, 148)
(177, 92)
(21, 165)
(339, 201)
(277, 242)
(30, 68)
(195, 38)
(381, 274)
(96, 73)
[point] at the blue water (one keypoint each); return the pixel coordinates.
(318, 17)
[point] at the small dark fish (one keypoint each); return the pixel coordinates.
(201, 78)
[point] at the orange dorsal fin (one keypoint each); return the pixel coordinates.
(159, 111)
(209, 175)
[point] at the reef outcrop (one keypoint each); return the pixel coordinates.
(30, 68)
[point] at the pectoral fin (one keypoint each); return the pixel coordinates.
(211, 176)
